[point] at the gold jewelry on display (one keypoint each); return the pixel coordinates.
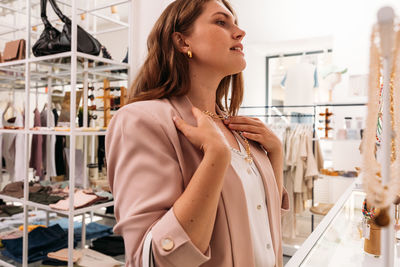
(248, 158)
(189, 53)
(379, 195)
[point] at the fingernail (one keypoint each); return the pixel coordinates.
(174, 118)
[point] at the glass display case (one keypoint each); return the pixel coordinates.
(337, 241)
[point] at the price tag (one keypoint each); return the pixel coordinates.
(367, 231)
(365, 228)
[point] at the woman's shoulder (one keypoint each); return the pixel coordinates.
(151, 115)
(155, 109)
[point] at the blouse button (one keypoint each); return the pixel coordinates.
(268, 246)
(258, 207)
(167, 244)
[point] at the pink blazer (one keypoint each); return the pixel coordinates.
(150, 163)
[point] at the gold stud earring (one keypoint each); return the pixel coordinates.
(189, 53)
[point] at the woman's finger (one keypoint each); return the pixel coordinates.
(245, 128)
(253, 136)
(182, 125)
(244, 120)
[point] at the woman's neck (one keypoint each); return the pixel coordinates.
(203, 88)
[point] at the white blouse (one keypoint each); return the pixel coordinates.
(253, 186)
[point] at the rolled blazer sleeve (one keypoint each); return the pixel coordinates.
(146, 180)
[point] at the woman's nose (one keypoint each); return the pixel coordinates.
(239, 34)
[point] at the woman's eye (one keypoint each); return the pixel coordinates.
(221, 22)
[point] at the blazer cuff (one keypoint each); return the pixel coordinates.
(172, 244)
(285, 202)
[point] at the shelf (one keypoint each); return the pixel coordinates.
(11, 199)
(77, 132)
(58, 67)
(66, 212)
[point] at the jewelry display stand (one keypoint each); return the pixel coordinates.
(385, 20)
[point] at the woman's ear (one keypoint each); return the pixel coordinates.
(180, 42)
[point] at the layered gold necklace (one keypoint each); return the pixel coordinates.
(248, 157)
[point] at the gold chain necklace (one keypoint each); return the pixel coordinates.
(248, 158)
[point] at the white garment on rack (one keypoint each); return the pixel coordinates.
(257, 208)
(13, 150)
(20, 159)
(49, 145)
(299, 84)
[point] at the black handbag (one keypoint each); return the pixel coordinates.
(52, 41)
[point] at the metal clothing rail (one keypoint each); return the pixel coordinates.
(314, 115)
(310, 106)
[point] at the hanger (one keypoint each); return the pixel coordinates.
(44, 107)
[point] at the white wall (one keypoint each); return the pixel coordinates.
(270, 23)
(275, 27)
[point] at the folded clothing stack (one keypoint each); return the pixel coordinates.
(93, 229)
(82, 198)
(37, 193)
(41, 241)
(81, 258)
(56, 195)
(109, 245)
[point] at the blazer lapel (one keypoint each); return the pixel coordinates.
(264, 166)
(235, 207)
(183, 105)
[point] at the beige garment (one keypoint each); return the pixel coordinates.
(300, 164)
(93, 258)
(289, 219)
(62, 255)
(312, 170)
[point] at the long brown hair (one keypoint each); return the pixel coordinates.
(164, 72)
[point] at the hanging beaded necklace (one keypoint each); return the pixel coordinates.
(379, 195)
(248, 157)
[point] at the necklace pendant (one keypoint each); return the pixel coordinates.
(249, 160)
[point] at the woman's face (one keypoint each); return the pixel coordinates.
(215, 40)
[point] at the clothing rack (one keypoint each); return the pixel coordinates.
(314, 115)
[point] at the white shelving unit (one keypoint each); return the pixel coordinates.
(46, 71)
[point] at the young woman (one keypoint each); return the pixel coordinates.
(183, 168)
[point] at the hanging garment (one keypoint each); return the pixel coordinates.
(59, 149)
(13, 149)
(302, 77)
(101, 152)
(35, 161)
(288, 219)
(20, 159)
(55, 114)
(301, 168)
(49, 162)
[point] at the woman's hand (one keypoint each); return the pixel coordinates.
(206, 136)
(256, 130)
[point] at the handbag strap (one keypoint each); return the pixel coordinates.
(43, 13)
(57, 10)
